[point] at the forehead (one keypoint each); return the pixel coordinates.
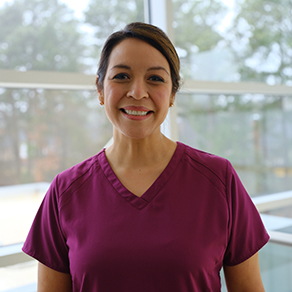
(136, 52)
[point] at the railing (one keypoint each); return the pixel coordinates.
(12, 254)
(271, 202)
(281, 238)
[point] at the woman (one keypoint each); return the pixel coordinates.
(147, 213)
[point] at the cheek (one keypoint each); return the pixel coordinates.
(164, 98)
(110, 95)
(110, 104)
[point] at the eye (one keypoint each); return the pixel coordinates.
(121, 76)
(156, 78)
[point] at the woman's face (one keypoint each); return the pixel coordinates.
(137, 89)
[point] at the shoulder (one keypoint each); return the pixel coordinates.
(206, 162)
(76, 175)
(207, 167)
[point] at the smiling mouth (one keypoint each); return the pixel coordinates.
(136, 113)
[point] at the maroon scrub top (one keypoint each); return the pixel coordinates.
(195, 218)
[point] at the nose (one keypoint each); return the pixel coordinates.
(138, 89)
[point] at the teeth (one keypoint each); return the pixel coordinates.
(136, 113)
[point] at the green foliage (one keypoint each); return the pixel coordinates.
(42, 132)
(40, 35)
(262, 40)
(195, 24)
(105, 17)
(109, 16)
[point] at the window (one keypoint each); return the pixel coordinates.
(232, 40)
(44, 130)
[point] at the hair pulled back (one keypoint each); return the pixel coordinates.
(151, 35)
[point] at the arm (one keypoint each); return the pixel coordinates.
(245, 277)
(52, 281)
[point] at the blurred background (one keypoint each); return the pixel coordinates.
(236, 102)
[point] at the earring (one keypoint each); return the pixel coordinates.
(171, 105)
(101, 103)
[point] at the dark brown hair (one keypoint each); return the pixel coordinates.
(151, 35)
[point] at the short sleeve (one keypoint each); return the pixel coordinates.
(45, 241)
(247, 234)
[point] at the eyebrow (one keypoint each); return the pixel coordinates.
(122, 66)
(158, 68)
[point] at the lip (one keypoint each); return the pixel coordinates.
(136, 108)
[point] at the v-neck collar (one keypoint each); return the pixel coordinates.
(148, 196)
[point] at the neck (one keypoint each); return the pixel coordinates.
(137, 153)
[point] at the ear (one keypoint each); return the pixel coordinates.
(172, 98)
(100, 96)
(99, 91)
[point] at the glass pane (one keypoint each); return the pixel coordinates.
(252, 131)
(21, 277)
(233, 40)
(18, 206)
(276, 267)
(42, 133)
(60, 36)
(199, 41)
